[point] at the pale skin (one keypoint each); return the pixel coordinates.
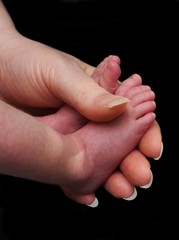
(74, 160)
(97, 144)
(23, 62)
(135, 164)
(135, 167)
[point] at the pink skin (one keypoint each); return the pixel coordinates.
(107, 73)
(102, 146)
(67, 120)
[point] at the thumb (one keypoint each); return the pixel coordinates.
(90, 99)
(96, 104)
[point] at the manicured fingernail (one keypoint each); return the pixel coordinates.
(148, 184)
(161, 151)
(94, 203)
(117, 102)
(133, 196)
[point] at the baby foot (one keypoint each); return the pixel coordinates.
(107, 74)
(67, 120)
(103, 145)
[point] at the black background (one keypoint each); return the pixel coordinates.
(145, 36)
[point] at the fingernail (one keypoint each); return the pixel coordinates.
(148, 184)
(117, 102)
(94, 203)
(161, 151)
(133, 196)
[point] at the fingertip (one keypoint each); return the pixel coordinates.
(118, 102)
(148, 185)
(151, 143)
(161, 152)
(133, 196)
(94, 204)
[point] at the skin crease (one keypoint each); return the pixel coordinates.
(125, 187)
(133, 174)
(21, 97)
(137, 117)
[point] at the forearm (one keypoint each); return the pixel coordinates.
(8, 34)
(28, 148)
(6, 23)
